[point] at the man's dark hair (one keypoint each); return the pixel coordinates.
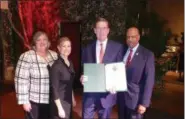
(99, 19)
(134, 26)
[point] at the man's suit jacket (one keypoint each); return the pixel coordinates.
(113, 53)
(140, 78)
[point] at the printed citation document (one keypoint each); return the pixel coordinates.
(102, 77)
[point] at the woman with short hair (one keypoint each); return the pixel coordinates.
(32, 83)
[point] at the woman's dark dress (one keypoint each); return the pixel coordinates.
(61, 77)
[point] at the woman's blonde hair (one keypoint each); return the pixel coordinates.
(63, 39)
(37, 35)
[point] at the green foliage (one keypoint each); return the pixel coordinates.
(86, 12)
(7, 40)
(156, 38)
(161, 70)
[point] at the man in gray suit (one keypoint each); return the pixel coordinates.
(140, 71)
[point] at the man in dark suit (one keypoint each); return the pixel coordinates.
(140, 71)
(105, 51)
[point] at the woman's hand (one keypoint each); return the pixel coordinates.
(74, 102)
(27, 107)
(61, 113)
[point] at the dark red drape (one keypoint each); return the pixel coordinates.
(39, 15)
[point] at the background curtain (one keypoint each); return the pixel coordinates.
(39, 15)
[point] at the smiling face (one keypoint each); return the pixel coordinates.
(64, 48)
(133, 37)
(101, 30)
(42, 43)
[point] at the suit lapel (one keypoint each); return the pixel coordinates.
(94, 52)
(107, 54)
